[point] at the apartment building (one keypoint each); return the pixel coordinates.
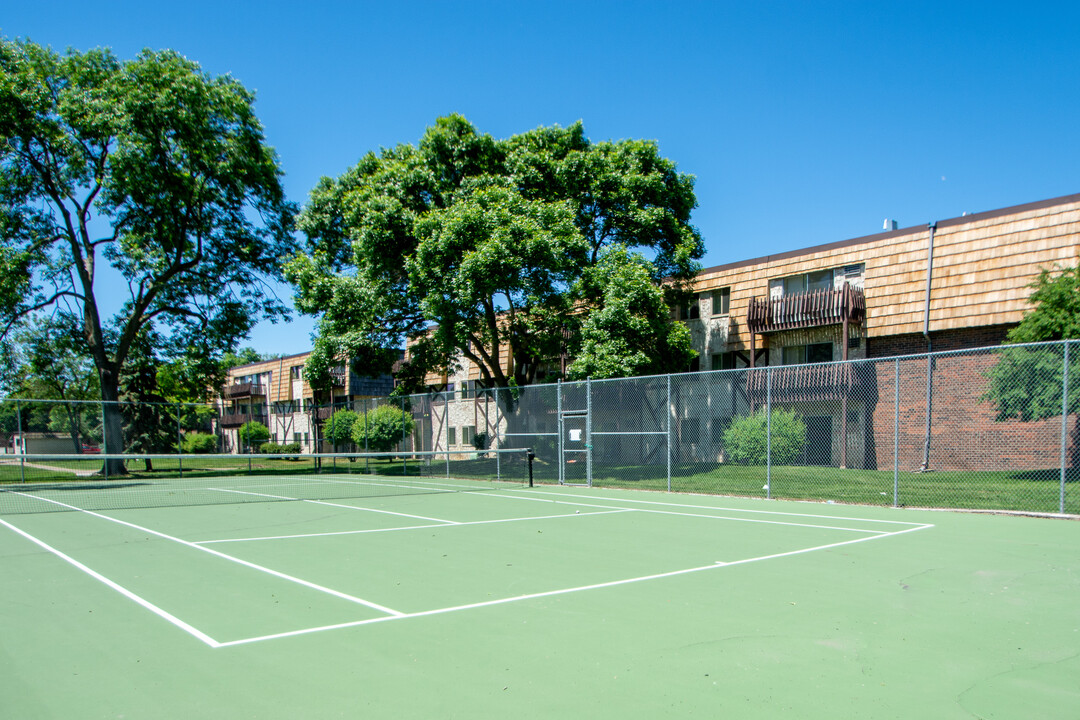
(957, 283)
(275, 393)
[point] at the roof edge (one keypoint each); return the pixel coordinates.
(950, 222)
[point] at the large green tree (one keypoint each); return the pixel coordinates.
(1027, 381)
(467, 245)
(152, 168)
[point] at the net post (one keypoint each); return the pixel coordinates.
(531, 457)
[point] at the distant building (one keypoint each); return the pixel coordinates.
(275, 393)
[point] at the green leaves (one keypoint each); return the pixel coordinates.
(630, 331)
(154, 167)
(1026, 382)
(469, 245)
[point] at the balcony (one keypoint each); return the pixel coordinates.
(809, 383)
(816, 308)
(231, 420)
(242, 390)
(338, 378)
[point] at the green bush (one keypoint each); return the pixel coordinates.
(338, 429)
(381, 429)
(745, 441)
(253, 434)
(198, 442)
(281, 449)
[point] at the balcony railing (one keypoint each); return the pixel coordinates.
(806, 310)
(338, 378)
(238, 419)
(808, 383)
(243, 390)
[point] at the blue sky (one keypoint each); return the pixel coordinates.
(803, 122)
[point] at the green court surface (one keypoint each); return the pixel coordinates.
(537, 603)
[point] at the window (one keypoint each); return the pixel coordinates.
(468, 389)
(451, 436)
(723, 361)
(802, 354)
(468, 432)
(721, 301)
(719, 425)
(689, 430)
(689, 311)
(816, 280)
(296, 372)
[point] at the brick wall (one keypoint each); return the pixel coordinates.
(964, 432)
(943, 341)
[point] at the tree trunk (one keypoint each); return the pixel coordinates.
(112, 426)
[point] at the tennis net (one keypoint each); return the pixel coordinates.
(48, 483)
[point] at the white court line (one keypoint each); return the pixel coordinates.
(729, 509)
(712, 517)
(167, 616)
(230, 558)
(413, 527)
(338, 505)
(564, 591)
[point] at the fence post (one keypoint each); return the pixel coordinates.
(22, 442)
(559, 429)
(446, 424)
(1064, 425)
(896, 437)
(667, 431)
(105, 441)
(180, 439)
(768, 433)
(588, 432)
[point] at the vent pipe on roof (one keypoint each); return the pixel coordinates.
(889, 224)
(932, 227)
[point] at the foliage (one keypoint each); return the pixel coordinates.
(153, 168)
(1026, 382)
(746, 440)
(467, 245)
(150, 425)
(481, 441)
(381, 429)
(201, 443)
(292, 448)
(253, 433)
(631, 332)
(338, 429)
(53, 364)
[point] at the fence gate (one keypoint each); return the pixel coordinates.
(575, 448)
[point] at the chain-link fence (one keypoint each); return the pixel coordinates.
(994, 428)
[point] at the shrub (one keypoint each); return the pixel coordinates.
(281, 449)
(338, 429)
(198, 442)
(379, 430)
(253, 433)
(745, 441)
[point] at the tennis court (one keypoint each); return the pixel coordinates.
(421, 595)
